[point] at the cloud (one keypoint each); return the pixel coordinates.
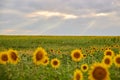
(59, 17)
(9, 30)
(102, 14)
(65, 16)
(92, 14)
(11, 11)
(49, 14)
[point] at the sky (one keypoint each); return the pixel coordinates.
(60, 17)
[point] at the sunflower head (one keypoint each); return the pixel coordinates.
(117, 60)
(55, 63)
(84, 67)
(107, 60)
(109, 53)
(84, 55)
(116, 46)
(39, 56)
(78, 75)
(98, 72)
(102, 49)
(58, 51)
(45, 61)
(3, 57)
(76, 55)
(52, 50)
(80, 48)
(13, 56)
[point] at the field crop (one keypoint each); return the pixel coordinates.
(60, 58)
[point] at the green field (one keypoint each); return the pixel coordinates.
(92, 46)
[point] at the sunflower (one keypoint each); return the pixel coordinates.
(107, 60)
(76, 55)
(39, 56)
(84, 55)
(13, 56)
(102, 49)
(116, 46)
(78, 75)
(84, 67)
(55, 63)
(45, 61)
(98, 72)
(117, 60)
(109, 53)
(80, 48)
(3, 57)
(52, 50)
(58, 51)
(112, 46)
(86, 51)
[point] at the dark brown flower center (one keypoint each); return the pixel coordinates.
(118, 60)
(59, 52)
(99, 73)
(77, 76)
(84, 55)
(107, 61)
(109, 53)
(45, 61)
(117, 46)
(86, 50)
(55, 62)
(84, 67)
(39, 56)
(4, 57)
(14, 56)
(77, 55)
(51, 50)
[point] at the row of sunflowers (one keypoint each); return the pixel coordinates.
(97, 70)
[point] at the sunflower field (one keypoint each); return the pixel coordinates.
(59, 57)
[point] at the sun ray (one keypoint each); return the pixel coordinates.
(90, 25)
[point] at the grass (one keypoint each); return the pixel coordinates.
(26, 45)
